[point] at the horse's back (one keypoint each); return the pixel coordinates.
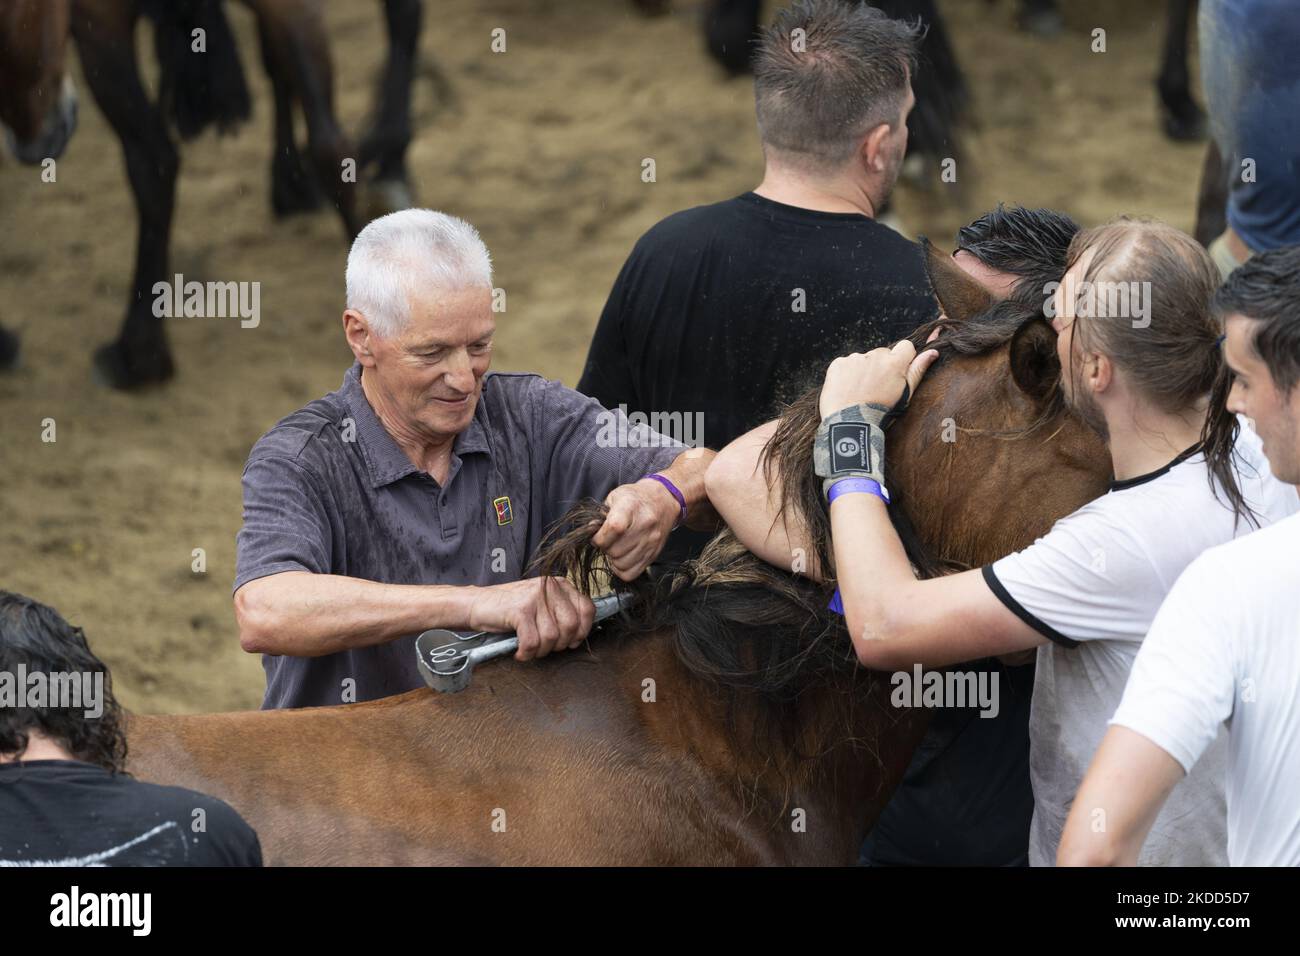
(516, 769)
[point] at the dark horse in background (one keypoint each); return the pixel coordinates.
(198, 90)
(38, 103)
(723, 721)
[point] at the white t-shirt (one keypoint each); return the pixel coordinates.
(1225, 648)
(1093, 585)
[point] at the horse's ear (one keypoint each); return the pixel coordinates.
(1035, 367)
(960, 296)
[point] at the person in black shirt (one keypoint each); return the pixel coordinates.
(64, 798)
(723, 312)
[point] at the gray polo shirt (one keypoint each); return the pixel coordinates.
(328, 490)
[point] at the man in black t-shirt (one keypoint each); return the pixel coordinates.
(724, 311)
(64, 799)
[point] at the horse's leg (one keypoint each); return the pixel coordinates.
(1182, 119)
(9, 347)
(730, 27)
(1212, 200)
(1040, 17)
(386, 143)
(104, 31)
(293, 186)
(296, 31)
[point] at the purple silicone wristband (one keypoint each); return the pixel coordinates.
(848, 486)
(672, 489)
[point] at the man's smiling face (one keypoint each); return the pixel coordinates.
(431, 372)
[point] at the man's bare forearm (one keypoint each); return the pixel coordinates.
(302, 614)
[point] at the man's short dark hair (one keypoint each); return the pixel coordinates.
(37, 637)
(820, 91)
(1030, 243)
(1266, 288)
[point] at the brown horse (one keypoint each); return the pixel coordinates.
(728, 722)
(38, 103)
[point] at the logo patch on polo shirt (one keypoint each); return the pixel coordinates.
(504, 514)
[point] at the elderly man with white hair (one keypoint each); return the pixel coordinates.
(415, 495)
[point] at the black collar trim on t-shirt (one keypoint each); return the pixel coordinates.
(799, 212)
(1153, 475)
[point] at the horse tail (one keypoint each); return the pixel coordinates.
(202, 79)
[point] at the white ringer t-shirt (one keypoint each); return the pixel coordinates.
(1225, 648)
(1093, 585)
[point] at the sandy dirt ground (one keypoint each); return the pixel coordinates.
(541, 148)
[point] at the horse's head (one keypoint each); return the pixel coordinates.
(38, 103)
(986, 457)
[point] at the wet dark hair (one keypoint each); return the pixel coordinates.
(851, 75)
(1030, 243)
(1175, 360)
(37, 636)
(1266, 288)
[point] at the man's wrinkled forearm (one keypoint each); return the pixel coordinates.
(301, 614)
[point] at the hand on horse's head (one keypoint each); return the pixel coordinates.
(878, 377)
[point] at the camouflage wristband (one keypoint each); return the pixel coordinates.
(851, 443)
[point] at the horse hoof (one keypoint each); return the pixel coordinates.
(1184, 126)
(290, 201)
(653, 8)
(1045, 23)
(388, 195)
(916, 172)
(9, 349)
(293, 191)
(117, 368)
